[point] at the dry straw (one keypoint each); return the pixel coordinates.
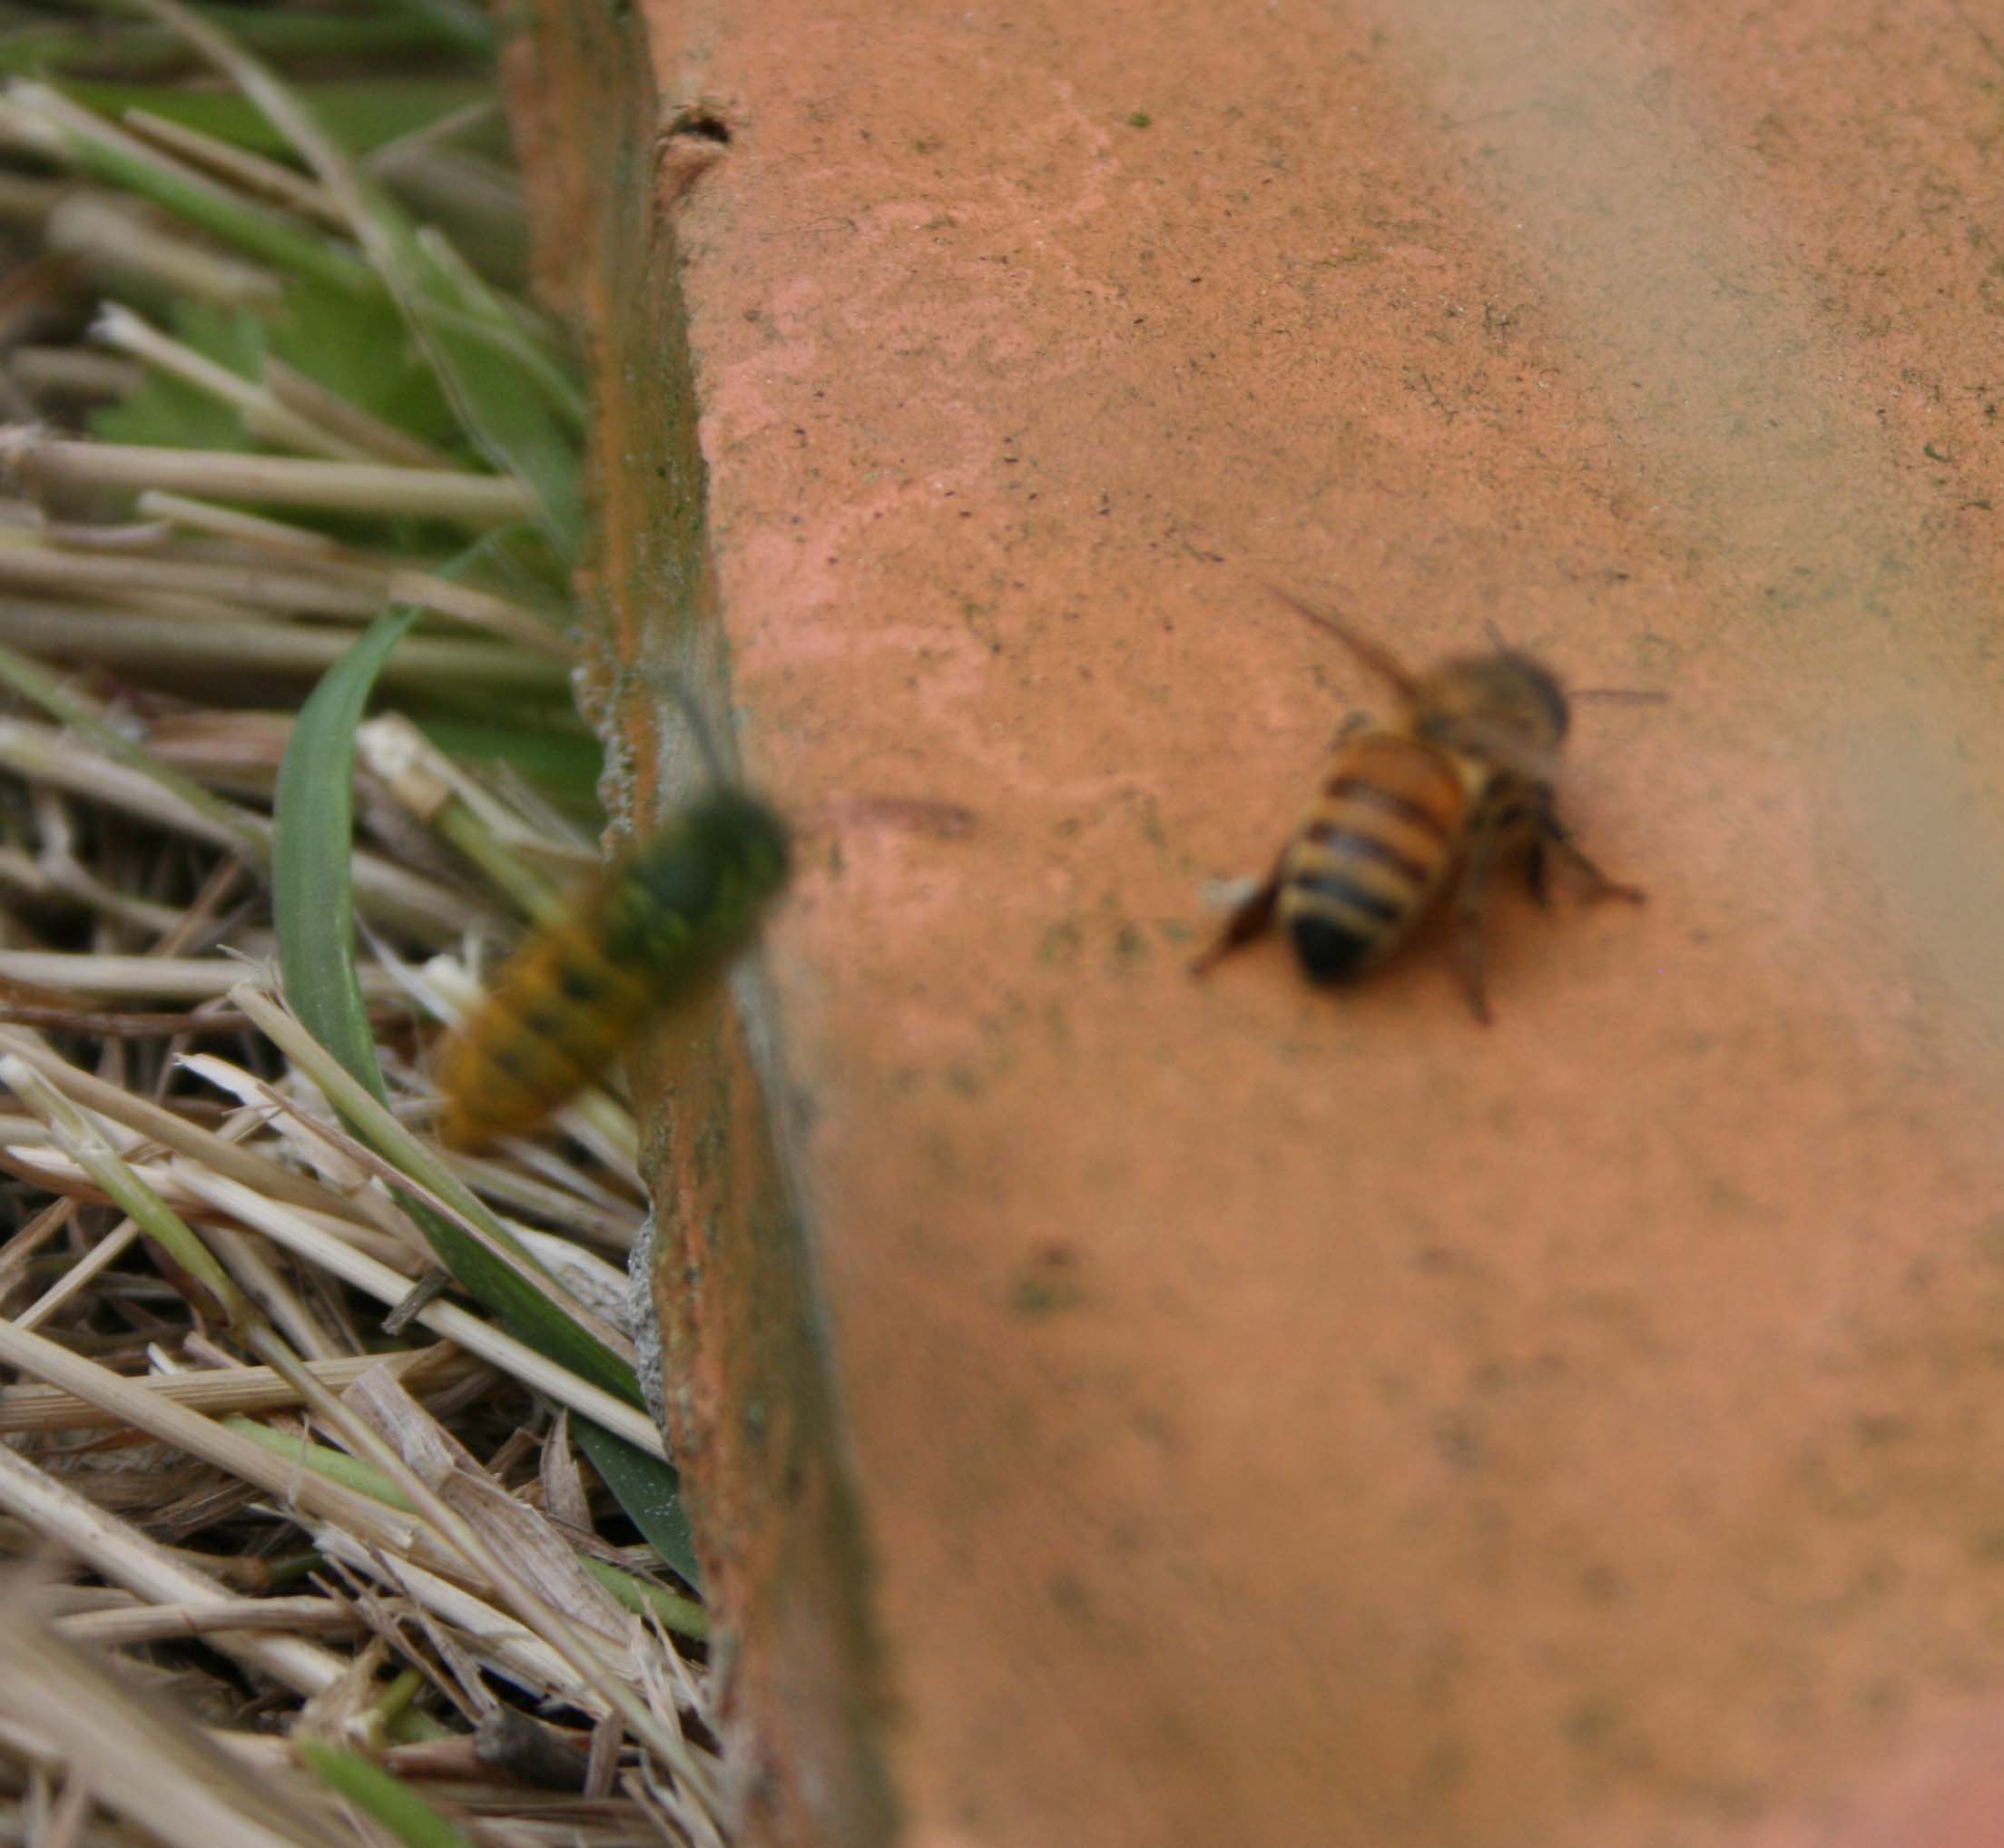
(332, 1443)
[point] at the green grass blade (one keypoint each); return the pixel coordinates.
(561, 762)
(390, 1801)
(305, 39)
(208, 1284)
(484, 368)
(645, 1599)
(250, 228)
(311, 891)
(337, 1465)
(361, 116)
(648, 1489)
(459, 21)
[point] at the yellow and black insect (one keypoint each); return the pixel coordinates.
(1421, 810)
(667, 913)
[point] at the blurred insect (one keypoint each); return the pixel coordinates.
(1422, 808)
(665, 916)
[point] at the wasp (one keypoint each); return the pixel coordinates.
(666, 914)
(1420, 810)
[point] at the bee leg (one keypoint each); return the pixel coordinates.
(1471, 893)
(1560, 837)
(1536, 871)
(1244, 924)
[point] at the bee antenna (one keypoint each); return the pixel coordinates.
(1497, 637)
(1371, 653)
(1619, 696)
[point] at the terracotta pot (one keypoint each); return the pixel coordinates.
(1127, 1410)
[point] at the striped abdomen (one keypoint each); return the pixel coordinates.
(1374, 854)
(559, 1015)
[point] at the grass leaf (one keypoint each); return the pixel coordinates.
(361, 116)
(362, 350)
(110, 156)
(389, 1800)
(312, 890)
(648, 1489)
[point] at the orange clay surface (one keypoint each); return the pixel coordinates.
(1306, 1420)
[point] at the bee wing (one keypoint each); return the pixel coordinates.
(1373, 654)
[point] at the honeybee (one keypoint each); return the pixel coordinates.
(666, 914)
(1422, 810)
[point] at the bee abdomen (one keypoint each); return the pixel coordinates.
(1337, 926)
(1372, 855)
(559, 1015)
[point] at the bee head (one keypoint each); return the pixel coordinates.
(693, 890)
(735, 827)
(1503, 699)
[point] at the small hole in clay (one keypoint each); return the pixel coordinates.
(701, 125)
